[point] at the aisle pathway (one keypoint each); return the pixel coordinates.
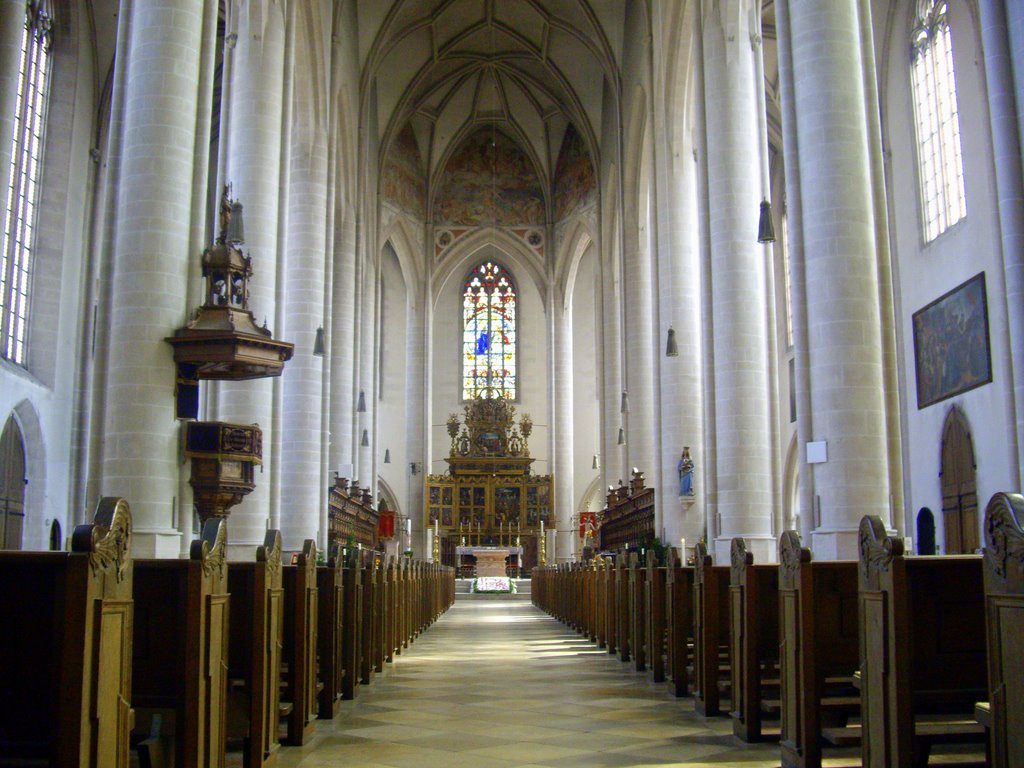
(499, 684)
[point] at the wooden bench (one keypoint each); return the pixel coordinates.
(351, 623)
(622, 623)
(255, 638)
(299, 654)
(66, 648)
(600, 602)
(753, 639)
(818, 653)
(679, 622)
(654, 611)
(329, 632)
(635, 604)
(368, 618)
(710, 632)
(922, 654)
(180, 656)
(1004, 628)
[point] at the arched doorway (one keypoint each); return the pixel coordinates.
(12, 485)
(959, 489)
(925, 532)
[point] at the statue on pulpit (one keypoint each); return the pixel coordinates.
(685, 469)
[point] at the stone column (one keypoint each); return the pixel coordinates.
(254, 170)
(342, 343)
(303, 376)
(837, 269)
(563, 455)
(1006, 144)
(738, 284)
(12, 32)
(416, 398)
(152, 256)
(639, 335)
(613, 467)
(366, 455)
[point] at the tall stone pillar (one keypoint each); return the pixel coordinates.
(12, 31)
(1003, 107)
(837, 270)
(415, 398)
(342, 341)
(304, 302)
(639, 338)
(738, 283)
(562, 465)
(254, 171)
(366, 455)
(151, 252)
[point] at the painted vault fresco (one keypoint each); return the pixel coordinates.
(489, 179)
(574, 176)
(402, 182)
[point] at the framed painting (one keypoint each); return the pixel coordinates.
(951, 343)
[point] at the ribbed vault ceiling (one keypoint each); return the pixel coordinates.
(527, 66)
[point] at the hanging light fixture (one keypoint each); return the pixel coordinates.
(671, 348)
(365, 442)
(361, 405)
(765, 228)
(387, 455)
(624, 408)
(622, 436)
(319, 344)
(596, 464)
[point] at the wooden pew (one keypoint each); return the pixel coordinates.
(600, 602)
(611, 611)
(637, 615)
(351, 623)
(679, 622)
(818, 652)
(1004, 628)
(922, 660)
(710, 632)
(255, 638)
(367, 620)
(300, 644)
(622, 605)
(180, 658)
(654, 610)
(330, 606)
(66, 648)
(753, 639)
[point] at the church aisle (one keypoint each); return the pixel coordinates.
(497, 683)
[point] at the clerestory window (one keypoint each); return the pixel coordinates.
(23, 182)
(940, 161)
(489, 333)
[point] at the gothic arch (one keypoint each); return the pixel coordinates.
(385, 490)
(35, 530)
(397, 235)
(573, 247)
(520, 259)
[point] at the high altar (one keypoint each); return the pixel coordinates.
(488, 498)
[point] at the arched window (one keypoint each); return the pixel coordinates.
(940, 162)
(22, 193)
(489, 333)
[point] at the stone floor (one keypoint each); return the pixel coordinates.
(500, 684)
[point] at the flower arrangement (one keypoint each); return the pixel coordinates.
(493, 585)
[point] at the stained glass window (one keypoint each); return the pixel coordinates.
(23, 182)
(940, 160)
(489, 333)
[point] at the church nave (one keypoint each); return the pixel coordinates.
(496, 682)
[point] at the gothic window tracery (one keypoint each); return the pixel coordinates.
(23, 178)
(937, 120)
(489, 333)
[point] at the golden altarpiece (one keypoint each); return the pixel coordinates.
(488, 497)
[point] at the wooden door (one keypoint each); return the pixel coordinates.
(959, 490)
(12, 485)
